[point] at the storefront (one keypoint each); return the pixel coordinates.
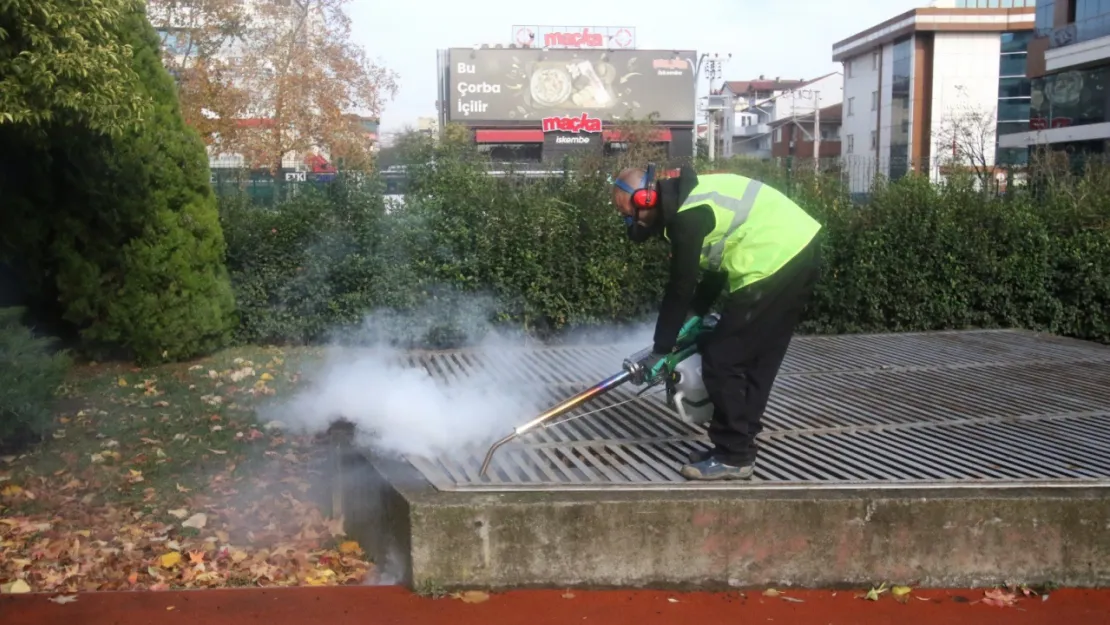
(535, 105)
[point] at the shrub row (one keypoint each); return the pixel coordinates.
(547, 255)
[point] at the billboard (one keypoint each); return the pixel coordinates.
(574, 36)
(530, 85)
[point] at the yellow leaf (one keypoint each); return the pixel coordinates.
(170, 560)
(11, 491)
(350, 548)
(122, 382)
(771, 592)
(17, 587)
(267, 377)
(899, 591)
(472, 596)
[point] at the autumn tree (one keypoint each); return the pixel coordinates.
(198, 40)
(280, 78)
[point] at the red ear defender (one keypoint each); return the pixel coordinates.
(644, 198)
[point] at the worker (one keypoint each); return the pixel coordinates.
(751, 241)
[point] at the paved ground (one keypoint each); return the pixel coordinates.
(387, 605)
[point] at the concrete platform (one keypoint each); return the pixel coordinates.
(940, 460)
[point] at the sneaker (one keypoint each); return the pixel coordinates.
(713, 469)
(700, 455)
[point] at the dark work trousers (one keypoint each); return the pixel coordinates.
(742, 355)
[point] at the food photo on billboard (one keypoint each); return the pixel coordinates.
(498, 84)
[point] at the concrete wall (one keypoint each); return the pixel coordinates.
(858, 84)
(965, 80)
(861, 164)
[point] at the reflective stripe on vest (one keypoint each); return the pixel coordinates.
(740, 208)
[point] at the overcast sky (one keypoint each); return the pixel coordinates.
(786, 38)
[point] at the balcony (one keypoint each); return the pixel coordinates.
(753, 130)
(1082, 43)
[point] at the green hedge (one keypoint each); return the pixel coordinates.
(549, 255)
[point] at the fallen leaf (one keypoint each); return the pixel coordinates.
(197, 521)
(18, 587)
(792, 599)
(568, 595)
(267, 377)
(899, 591)
(999, 598)
(122, 382)
(472, 596)
(672, 600)
(170, 560)
(169, 607)
(350, 548)
(182, 489)
(771, 592)
(11, 491)
(873, 594)
(63, 599)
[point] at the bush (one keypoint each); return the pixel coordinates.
(550, 255)
(30, 373)
(120, 235)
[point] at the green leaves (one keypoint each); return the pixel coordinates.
(67, 64)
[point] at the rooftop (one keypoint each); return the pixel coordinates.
(934, 19)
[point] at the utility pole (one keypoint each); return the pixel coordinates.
(714, 70)
(817, 132)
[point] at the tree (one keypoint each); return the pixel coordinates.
(283, 78)
(65, 63)
(122, 232)
(197, 38)
(966, 140)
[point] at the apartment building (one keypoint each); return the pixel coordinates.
(1069, 71)
(800, 136)
(913, 82)
(753, 107)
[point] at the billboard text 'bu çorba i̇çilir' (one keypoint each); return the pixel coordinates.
(516, 85)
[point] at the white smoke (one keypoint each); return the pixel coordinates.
(401, 409)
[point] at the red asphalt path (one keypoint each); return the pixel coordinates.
(388, 605)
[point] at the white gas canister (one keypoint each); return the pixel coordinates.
(690, 399)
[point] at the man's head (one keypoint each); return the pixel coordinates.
(633, 178)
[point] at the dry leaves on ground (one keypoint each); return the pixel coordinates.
(119, 518)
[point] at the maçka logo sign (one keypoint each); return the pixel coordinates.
(585, 123)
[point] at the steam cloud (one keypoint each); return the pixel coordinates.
(401, 409)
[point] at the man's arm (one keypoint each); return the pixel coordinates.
(686, 234)
(709, 289)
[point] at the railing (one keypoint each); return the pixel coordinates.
(1078, 32)
(752, 130)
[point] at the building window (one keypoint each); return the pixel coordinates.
(851, 144)
(1044, 20)
(874, 100)
(1014, 95)
(900, 95)
(851, 106)
(778, 135)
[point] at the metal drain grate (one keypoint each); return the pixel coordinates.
(966, 409)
